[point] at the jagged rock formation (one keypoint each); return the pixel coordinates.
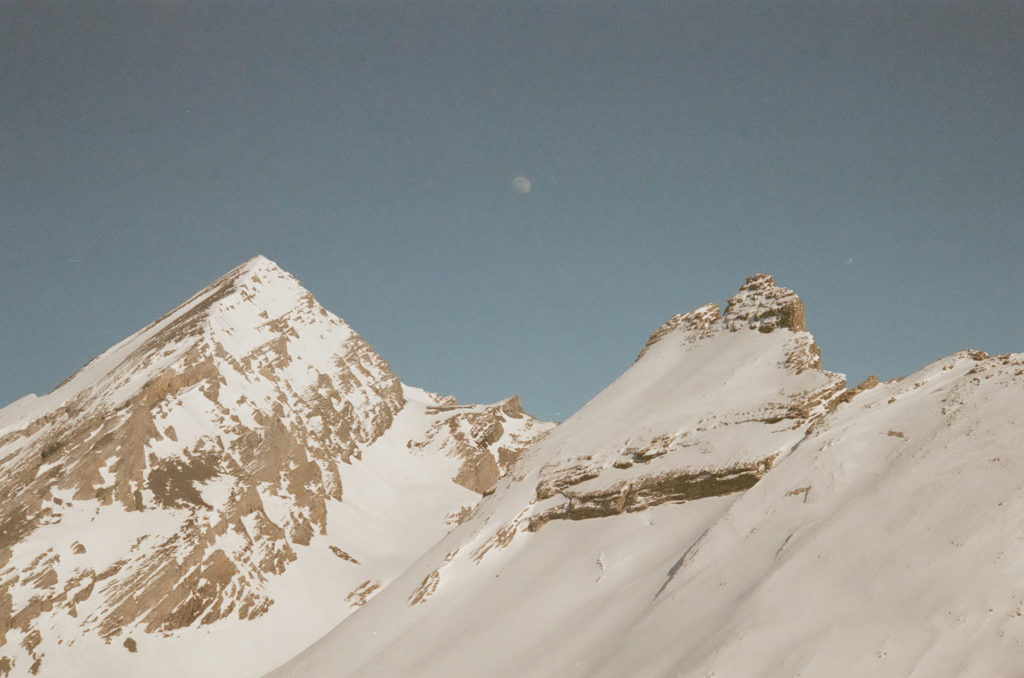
(764, 306)
(171, 482)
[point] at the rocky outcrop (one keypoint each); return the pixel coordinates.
(695, 325)
(869, 383)
(759, 304)
(487, 439)
(764, 306)
(648, 491)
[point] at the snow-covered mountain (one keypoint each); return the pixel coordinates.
(221, 488)
(245, 485)
(728, 508)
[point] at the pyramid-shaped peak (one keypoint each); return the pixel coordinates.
(258, 282)
(260, 270)
(762, 305)
(253, 305)
(257, 264)
(256, 294)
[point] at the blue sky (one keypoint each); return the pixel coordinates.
(868, 154)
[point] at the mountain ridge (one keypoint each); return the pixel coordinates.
(584, 562)
(245, 484)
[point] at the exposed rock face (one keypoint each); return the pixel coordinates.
(487, 439)
(762, 305)
(225, 426)
(646, 491)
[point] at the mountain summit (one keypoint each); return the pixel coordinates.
(192, 476)
(760, 304)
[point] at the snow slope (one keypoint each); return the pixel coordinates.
(889, 543)
(873, 531)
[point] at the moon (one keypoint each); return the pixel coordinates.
(522, 185)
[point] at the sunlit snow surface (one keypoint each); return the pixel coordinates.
(887, 542)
